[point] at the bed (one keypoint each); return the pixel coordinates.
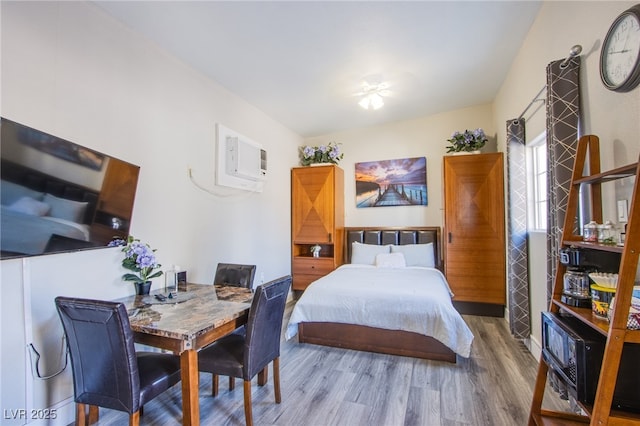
(39, 213)
(390, 297)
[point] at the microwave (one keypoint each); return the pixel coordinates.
(574, 352)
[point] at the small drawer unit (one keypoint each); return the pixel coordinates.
(308, 269)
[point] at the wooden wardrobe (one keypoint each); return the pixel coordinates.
(474, 235)
(317, 218)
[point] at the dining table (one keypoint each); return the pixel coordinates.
(184, 322)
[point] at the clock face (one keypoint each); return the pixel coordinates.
(620, 57)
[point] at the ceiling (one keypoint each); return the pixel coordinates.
(301, 62)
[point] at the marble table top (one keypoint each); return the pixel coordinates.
(201, 309)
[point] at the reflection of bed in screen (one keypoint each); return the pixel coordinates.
(41, 213)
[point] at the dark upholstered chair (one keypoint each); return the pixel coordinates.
(244, 356)
(235, 275)
(107, 371)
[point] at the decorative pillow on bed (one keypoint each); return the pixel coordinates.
(365, 254)
(30, 206)
(66, 209)
(417, 254)
(390, 260)
(11, 192)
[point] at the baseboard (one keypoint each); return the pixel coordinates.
(535, 347)
(481, 309)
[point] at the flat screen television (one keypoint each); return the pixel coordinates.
(59, 196)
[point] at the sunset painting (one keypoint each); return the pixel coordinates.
(392, 183)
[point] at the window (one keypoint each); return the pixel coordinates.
(537, 183)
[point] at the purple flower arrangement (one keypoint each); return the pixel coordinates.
(329, 153)
(469, 140)
(138, 257)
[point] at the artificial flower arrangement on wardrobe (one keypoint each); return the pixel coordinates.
(467, 141)
(140, 258)
(323, 154)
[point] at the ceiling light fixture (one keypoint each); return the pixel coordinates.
(372, 100)
(372, 95)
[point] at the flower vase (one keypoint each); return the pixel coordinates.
(142, 287)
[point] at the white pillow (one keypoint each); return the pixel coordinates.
(417, 254)
(365, 254)
(66, 209)
(30, 206)
(390, 260)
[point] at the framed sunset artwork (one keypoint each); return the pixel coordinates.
(386, 183)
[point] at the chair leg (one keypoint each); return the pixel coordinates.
(263, 376)
(134, 419)
(276, 379)
(232, 383)
(214, 385)
(248, 416)
(94, 414)
(81, 414)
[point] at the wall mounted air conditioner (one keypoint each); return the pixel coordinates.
(241, 162)
(245, 159)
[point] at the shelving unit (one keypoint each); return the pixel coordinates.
(317, 218)
(600, 413)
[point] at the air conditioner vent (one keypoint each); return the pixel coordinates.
(241, 162)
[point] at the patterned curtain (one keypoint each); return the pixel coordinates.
(517, 237)
(563, 120)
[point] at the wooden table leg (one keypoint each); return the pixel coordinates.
(190, 378)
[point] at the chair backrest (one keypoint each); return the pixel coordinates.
(264, 325)
(103, 357)
(235, 275)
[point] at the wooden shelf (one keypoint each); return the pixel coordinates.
(592, 246)
(586, 316)
(613, 174)
(312, 243)
(558, 418)
(616, 332)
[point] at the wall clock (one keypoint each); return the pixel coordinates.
(620, 54)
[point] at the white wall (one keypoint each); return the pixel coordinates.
(422, 137)
(70, 70)
(613, 117)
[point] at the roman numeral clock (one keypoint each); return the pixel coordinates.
(620, 54)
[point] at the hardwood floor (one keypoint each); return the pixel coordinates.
(329, 386)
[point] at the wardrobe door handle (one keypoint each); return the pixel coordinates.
(449, 237)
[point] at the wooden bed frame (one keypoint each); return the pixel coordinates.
(363, 338)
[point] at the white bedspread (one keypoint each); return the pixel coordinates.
(412, 299)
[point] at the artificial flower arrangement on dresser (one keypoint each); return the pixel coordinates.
(319, 155)
(469, 141)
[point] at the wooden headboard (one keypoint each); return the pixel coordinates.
(397, 236)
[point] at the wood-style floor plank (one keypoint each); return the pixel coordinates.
(336, 387)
